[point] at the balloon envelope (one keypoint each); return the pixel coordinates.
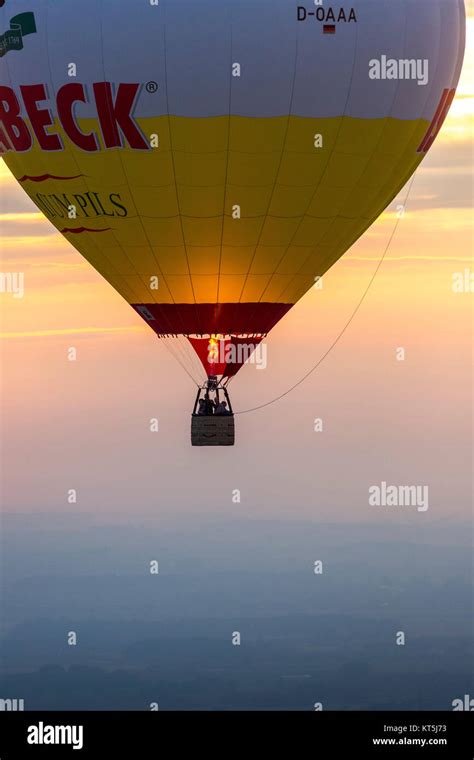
(211, 158)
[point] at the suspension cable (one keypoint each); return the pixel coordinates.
(345, 327)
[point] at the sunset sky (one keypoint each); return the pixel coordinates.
(84, 424)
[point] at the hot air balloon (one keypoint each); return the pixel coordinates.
(211, 158)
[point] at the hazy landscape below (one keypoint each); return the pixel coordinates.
(328, 637)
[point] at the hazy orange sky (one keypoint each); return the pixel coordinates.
(84, 425)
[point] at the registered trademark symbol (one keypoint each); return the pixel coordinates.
(151, 86)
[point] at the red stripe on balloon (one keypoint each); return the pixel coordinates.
(444, 105)
(79, 230)
(212, 318)
(45, 177)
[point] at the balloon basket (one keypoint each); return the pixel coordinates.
(212, 430)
